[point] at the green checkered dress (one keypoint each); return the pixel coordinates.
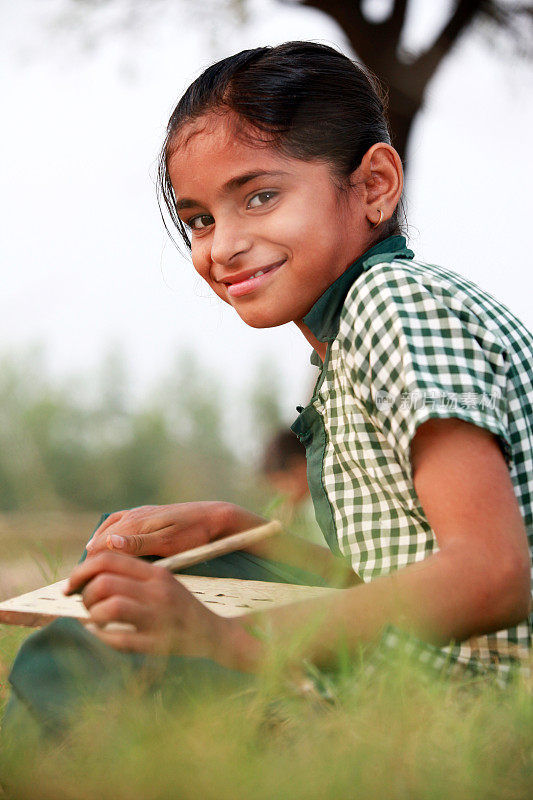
(407, 342)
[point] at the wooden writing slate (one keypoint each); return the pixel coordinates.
(227, 597)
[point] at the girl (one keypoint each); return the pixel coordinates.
(278, 172)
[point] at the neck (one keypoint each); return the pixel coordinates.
(320, 347)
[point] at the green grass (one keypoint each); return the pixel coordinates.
(396, 733)
(392, 734)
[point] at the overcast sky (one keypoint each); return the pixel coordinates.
(84, 258)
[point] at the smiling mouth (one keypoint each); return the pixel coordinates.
(253, 282)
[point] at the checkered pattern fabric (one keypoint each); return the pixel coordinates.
(416, 342)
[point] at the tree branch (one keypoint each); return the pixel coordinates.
(348, 14)
(396, 20)
(503, 13)
(428, 62)
(514, 18)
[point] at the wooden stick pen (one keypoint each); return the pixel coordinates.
(220, 547)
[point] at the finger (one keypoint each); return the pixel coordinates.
(118, 521)
(145, 521)
(107, 584)
(107, 562)
(142, 544)
(119, 530)
(148, 519)
(110, 520)
(121, 609)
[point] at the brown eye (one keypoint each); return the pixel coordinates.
(200, 222)
(261, 198)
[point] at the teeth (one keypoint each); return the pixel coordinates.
(257, 274)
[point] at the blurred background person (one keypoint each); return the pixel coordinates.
(285, 469)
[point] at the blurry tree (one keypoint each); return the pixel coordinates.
(22, 384)
(139, 465)
(264, 402)
(113, 381)
(204, 464)
(193, 403)
(375, 29)
(378, 43)
(61, 447)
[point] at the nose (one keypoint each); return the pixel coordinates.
(229, 240)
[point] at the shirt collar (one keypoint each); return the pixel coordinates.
(324, 317)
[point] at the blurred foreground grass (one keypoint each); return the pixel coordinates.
(394, 733)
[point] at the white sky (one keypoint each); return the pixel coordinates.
(85, 262)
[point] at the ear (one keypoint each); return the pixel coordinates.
(382, 175)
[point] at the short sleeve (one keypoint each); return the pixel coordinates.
(414, 352)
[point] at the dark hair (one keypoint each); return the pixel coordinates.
(281, 451)
(307, 100)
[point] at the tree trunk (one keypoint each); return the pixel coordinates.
(378, 44)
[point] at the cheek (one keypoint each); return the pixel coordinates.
(200, 258)
(291, 227)
(297, 223)
(201, 261)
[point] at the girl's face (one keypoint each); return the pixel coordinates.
(269, 233)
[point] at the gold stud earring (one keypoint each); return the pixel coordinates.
(380, 220)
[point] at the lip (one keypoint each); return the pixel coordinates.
(243, 283)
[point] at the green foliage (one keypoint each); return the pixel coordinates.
(85, 445)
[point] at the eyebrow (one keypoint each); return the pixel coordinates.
(229, 186)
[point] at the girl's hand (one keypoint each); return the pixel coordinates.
(166, 530)
(168, 619)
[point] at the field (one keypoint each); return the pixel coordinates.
(39, 548)
(392, 733)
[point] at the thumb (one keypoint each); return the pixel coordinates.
(134, 544)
